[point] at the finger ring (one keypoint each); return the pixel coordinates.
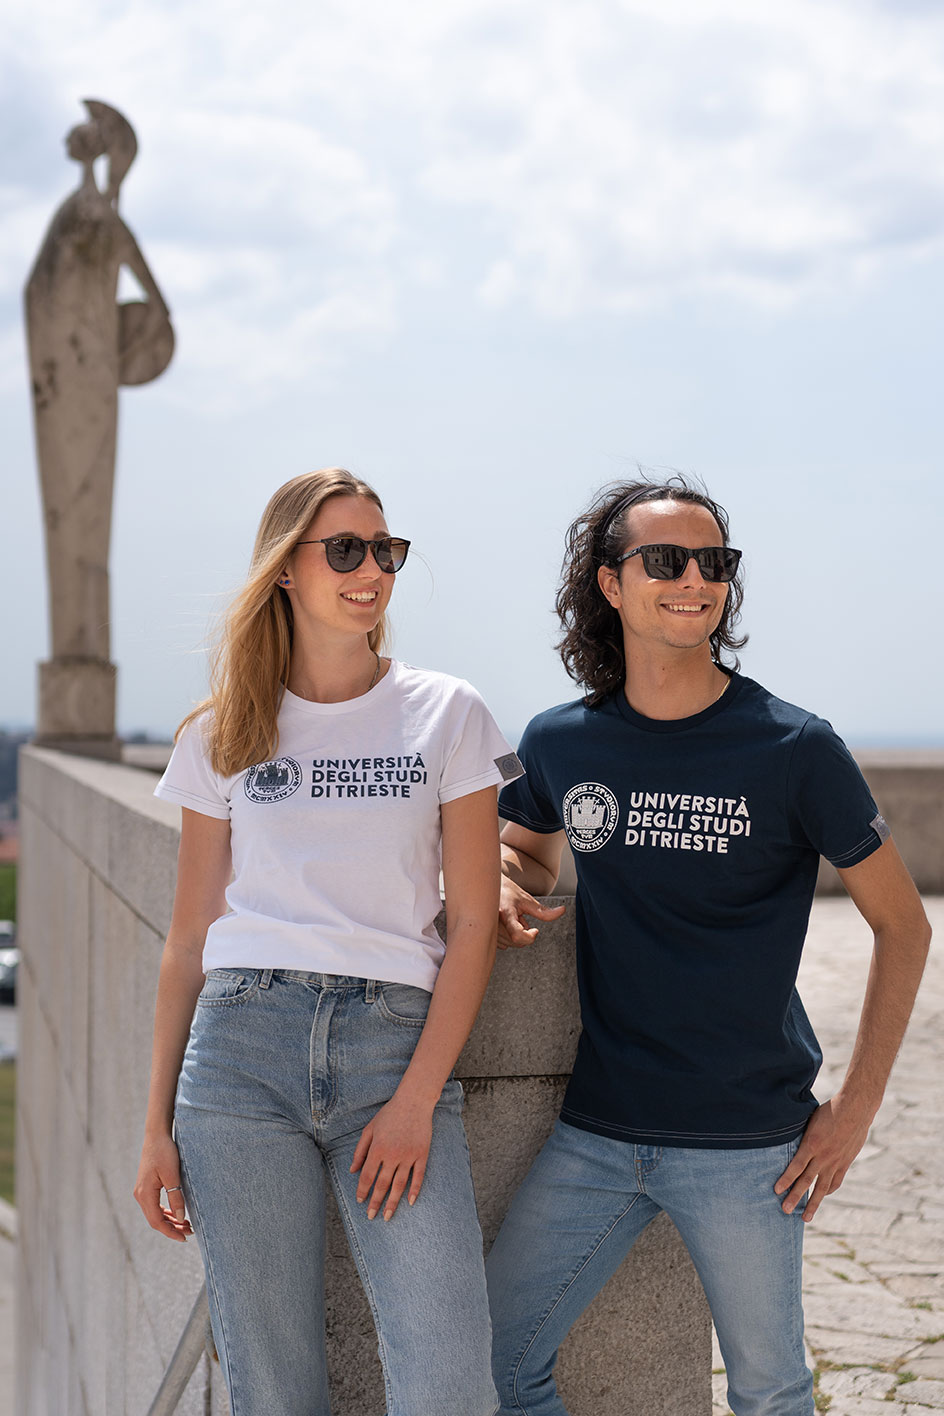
(171, 1190)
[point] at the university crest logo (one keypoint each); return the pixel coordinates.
(273, 781)
(590, 813)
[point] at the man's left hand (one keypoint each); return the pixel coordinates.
(834, 1135)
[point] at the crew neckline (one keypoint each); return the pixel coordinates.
(347, 705)
(681, 725)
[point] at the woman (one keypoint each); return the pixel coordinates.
(327, 779)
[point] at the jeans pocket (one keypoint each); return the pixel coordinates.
(402, 1003)
(223, 986)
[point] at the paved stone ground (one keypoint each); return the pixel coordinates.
(873, 1274)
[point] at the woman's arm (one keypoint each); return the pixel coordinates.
(204, 865)
(396, 1142)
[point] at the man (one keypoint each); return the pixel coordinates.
(697, 806)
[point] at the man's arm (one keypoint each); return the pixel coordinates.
(885, 896)
(530, 866)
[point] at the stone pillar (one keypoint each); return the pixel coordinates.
(83, 345)
(77, 707)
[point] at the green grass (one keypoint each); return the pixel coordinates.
(7, 890)
(7, 1125)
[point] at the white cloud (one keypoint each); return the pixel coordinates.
(285, 274)
(14, 375)
(580, 156)
(657, 151)
(22, 220)
(234, 351)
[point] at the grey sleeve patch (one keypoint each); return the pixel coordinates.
(509, 766)
(881, 828)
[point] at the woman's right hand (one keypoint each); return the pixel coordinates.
(514, 906)
(160, 1170)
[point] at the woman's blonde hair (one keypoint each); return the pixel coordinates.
(249, 665)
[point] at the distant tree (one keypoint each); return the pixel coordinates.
(7, 890)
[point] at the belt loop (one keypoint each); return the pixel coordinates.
(370, 992)
(266, 978)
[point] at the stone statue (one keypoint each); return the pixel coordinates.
(82, 345)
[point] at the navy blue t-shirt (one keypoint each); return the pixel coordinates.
(697, 843)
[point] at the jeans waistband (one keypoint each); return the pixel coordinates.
(320, 980)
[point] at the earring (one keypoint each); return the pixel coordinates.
(285, 580)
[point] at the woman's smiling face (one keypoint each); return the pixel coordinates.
(352, 601)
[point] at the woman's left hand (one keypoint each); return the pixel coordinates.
(393, 1147)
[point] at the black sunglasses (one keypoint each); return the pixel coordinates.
(664, 562)
(348, 552)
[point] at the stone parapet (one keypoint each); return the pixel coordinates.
(102, 1298)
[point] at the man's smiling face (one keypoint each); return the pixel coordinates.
(677, 614)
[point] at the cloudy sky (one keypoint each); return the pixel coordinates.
(492, 256)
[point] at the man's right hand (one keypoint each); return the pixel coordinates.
(515, 905)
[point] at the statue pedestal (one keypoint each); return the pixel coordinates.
(77, 707)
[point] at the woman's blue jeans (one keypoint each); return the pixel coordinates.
(578, 1213)
(282, 1072)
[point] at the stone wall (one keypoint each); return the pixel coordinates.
(103, 1299)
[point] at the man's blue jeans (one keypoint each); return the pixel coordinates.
(282, 1071)
(578, 1213)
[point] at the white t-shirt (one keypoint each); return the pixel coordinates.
(337, 841)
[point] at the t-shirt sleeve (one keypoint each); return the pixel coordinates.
(830, 805)
(476, 754)
(529, 801)
(190, 779)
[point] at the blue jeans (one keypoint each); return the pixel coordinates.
(578, 1213)
(282, 1071)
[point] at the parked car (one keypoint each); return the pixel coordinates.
(9, 964)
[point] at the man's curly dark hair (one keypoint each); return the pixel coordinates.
(592, 643)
